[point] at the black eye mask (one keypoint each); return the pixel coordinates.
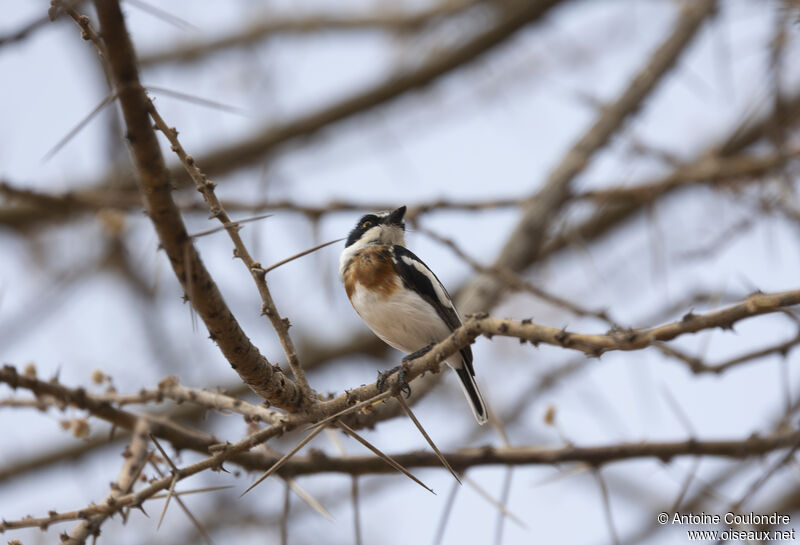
(395, 217)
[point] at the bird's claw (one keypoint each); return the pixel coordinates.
(401, 379)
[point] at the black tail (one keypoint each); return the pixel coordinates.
(474, 397)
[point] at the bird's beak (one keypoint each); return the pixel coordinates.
(396, 216)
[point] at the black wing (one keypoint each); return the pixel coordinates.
(418, 277)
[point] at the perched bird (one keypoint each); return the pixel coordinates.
(400, 298)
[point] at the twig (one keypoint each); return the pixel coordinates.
(751, 446)
(356, 509)
(497, 504)
(632, 339)
(448, 508)
(301, 254)
(178, 435)
(170, 388)
(134, 462)
(601, 482)
(206, 188)
(245, 358)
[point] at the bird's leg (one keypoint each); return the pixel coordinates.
(401, 371)
(419, 353)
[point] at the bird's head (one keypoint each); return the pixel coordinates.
(379, 228)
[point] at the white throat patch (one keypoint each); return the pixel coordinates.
(378, 235)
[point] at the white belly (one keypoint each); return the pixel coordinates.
(403, 320)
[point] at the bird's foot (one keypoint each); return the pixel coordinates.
(401, 379)
(401, 371)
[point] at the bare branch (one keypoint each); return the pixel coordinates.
(136, 457)
(200, 288)
(273, 25)
(466, 458)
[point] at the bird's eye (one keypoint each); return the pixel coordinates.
(366, 224)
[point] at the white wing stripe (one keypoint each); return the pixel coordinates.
(441, 295)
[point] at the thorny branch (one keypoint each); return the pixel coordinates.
(206, 188)
(156, 187)
(460, 460)
(135, 459)
(721, 166)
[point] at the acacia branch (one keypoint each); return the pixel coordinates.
(52, 393)
(268, 307)
(200, 288)
(135, 458)
(754, 305)
(194, 404)
(460, 460)
(631, 339)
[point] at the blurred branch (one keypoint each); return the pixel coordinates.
(24, 31)
(314, 355)
(55, 394)
(466, 458)
(613, 215)
(698, 366)
(525, 242)
(29, 28)
(706, 170)
(38, 206)
(516, 282)
(35, 207)
(256, 30)
(246, 152)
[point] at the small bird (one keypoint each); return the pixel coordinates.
(400, 298)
